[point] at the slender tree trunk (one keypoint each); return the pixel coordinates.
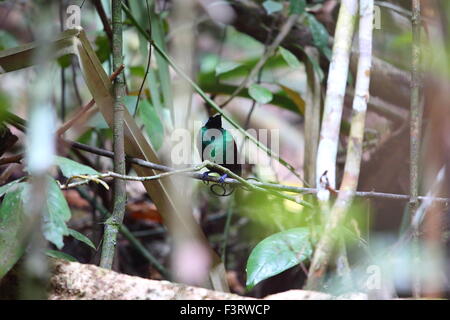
(415, 135)
(113, 223)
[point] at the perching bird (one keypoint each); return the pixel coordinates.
(217, 145)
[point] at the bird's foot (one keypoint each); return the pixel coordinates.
(205, 176)
(222, 178)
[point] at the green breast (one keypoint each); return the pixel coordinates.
(217, 145)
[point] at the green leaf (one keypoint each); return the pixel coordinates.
(103, 48)
(290, 58)
(11, 220)
(8, 187)
(152, 123)
(60, 255)
(319, 33)
(81, 237)
(260, 94)
(72, 168)
(226, 66)
(65, 61)
(57, 214)
(278, 253)
(272, 6)
(297, 6)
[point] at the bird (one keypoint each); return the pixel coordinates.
(218, 146)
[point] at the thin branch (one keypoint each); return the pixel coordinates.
(149, 59)
(415, 133)
(272, 186)
(20, 124)
(206, 164)
(104, 18)
(12, 159)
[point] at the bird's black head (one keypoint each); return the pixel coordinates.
(214, 122)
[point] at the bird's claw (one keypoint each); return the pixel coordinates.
(205, 177)
(222, 178)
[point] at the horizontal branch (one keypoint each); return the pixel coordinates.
(264, 185)
(20, 124)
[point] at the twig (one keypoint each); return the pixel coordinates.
(66, 126)
(149, 59)
(104, 18)
(114, 222)
(12, 159)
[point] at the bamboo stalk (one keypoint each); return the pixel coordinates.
(336, 84)
(354, 149)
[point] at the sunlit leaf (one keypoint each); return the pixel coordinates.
(11, 220)
(278, 253)
(290, 58)
(81, 237)
(226, 66)
(70, 168)
(260, 94)
(272, 6)
(60, 255)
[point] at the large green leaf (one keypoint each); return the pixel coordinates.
(290, 58)
(260, 94)
(11, 219)
(55, 217)
(278, 253)
(71, 168)
(152, 123)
